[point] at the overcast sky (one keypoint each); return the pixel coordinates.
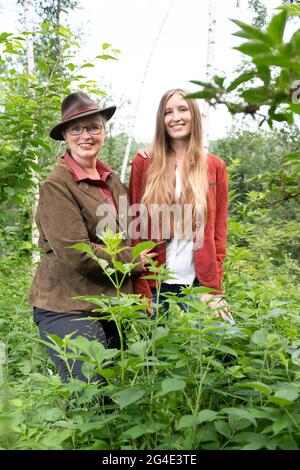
(179, 56)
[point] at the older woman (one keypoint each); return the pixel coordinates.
(66, 214)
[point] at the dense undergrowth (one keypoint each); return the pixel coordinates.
(179, 383)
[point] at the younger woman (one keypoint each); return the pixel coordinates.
(185, 192)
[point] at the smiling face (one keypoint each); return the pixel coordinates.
(85, 146)
(178, 119)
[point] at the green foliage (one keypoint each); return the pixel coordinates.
(31, 105)
(266, 51)
(186, 381)
(180, 383)
(265, 164)
(267, 88)
(261, 12)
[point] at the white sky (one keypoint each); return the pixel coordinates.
(179, 56)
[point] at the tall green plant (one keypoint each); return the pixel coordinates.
(267, 90)
(30, 106)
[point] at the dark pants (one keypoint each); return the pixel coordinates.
(62, 324)
(172, 289)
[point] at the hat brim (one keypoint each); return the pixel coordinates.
(106, 113)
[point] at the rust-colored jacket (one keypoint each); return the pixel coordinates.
(66, 215)
(208, 258)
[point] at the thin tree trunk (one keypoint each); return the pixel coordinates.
(209, 65)
(58, 11)
(29, 40)
(132, 127)
(57, 15)
(30, 70)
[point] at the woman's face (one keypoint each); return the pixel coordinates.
(178, 119)
(85, 145)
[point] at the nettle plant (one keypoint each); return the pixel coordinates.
(184, 380)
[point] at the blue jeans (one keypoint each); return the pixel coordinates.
(173, 289)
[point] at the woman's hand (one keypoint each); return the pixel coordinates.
(219, 305)
(145, 255)
(144, 153)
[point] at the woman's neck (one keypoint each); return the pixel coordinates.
(179, 148)
(88, 165)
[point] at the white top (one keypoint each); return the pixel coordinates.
(179, 253)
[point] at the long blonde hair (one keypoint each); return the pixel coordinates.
(160, 178)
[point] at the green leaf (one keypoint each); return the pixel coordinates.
(120, 267)
(204, 94)
(264, 73)
(81, 343)
(251, 32)
(87, 395)
(279, 60)
(137, 250)
(102, 263)
(159, 333)
(225, 349)
(223, 428)
(187, 421)
(142, 429)
(206, 415)
(83, 247)
(295, 42)
(276, 27)
(285, 396)
(106, 57)
(252, 48)
(219, 81)
(54, 440)
(172, 385)
(290, 157)
(259, 337)
(257, 442)
(206, 436)
(296, 357)
(52, 415)
(240, 413)
(139, 348)
(128, 397)
(280, 424)
(257, 95)
(95, 425)
(97, 351)
(259, 386)
(244, 77)
(292, 10)
(236, 423)
(87, 65)
(199, 82)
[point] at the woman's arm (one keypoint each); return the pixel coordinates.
(136, 188)
(221, 219)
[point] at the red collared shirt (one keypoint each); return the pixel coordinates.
(80, 175)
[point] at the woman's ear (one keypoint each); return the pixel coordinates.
(63, 133)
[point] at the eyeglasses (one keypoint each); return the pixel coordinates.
(93, 129)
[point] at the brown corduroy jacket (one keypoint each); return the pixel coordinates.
(66, 215)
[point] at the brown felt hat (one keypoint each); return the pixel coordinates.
(78, 105)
